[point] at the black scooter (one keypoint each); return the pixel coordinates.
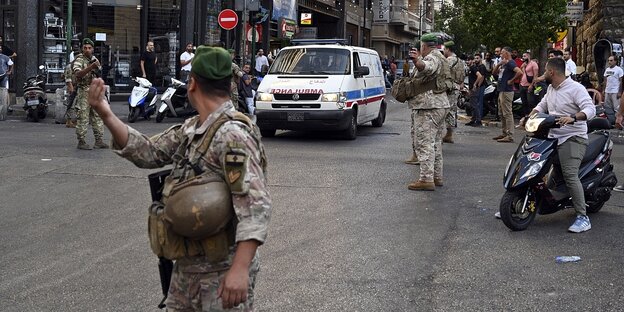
(533, 177)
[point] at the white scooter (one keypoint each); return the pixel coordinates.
(174, 103)
(142, 100)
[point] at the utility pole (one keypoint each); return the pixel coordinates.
(69, 33)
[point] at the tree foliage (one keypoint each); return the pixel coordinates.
(520, 24)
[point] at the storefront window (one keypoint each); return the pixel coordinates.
(163, 26)
(213, 30)
(115, 29)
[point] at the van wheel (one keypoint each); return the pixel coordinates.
(267, 133)
(351, 132)
(378, 122)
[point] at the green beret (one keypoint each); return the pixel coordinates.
(87, 41)
(212, 63)
(416, 44)
(429, 38)
(449, 44)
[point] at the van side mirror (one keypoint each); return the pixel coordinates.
(362, 71)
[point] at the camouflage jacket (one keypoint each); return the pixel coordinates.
(429, 99)
(80, 63)
(252, 205)
(457, 71)
(237, 73)
(69, 74)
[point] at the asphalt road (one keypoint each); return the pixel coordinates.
(345, 234)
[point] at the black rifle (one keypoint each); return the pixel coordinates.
(165, 266)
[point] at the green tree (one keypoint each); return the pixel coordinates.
(521, 24)
(450, 19)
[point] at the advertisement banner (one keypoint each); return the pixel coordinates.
(381, 11)
(284, 8)
(287, 28)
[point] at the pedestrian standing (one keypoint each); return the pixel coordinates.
(530, 71)
(261, 59)
(519, 62)
(477, 74)
(6, 50)
(245, 89)
(85, 68)
(508, 72)
(70, 85)
(570, 65)
(215, 270)
(6, 69)
(429, 107)
(393, 70)
(185, 61)
(148, 63)
(613, 87)
(458, 73)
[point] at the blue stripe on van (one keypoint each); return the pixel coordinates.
(357, 94)
(352, 95)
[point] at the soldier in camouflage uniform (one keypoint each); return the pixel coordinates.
(413, 160)
(429, 108)
(85, 68)
(70, 84)
(197, 283)
(237, 73)
(458, 73)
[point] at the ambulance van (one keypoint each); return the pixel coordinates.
(322, 87)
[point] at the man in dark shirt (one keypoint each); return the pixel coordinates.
(148, 63)
(245, 90)
(509, 72)
(6, 50)
(476, 82)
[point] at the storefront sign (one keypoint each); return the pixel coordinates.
(381, 11)
(307, 33)
(100, 36)
(574, 11)
(250, 34)
(306, 18)
(287, 28)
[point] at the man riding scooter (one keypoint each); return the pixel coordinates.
(570, 101)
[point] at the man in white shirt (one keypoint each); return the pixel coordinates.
(261, 59)
(570, 65)
(569, 99)
(185, 61)
(613, 87)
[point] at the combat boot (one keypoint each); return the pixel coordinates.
(421, 186)
(70, 124)
(448, 138)
(100, 144)
(412, 160)
(438, 182)
(83, 145)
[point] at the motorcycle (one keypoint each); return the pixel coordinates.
(533, 178)
(174, 103)
(142, 100)
(35, 98)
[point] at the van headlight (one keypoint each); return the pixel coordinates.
(264, 97)
(330, 97)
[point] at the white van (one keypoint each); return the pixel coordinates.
(322, 87)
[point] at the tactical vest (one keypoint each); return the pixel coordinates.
(457, 71)
(196, 216)
(85, 81)
(444, 80)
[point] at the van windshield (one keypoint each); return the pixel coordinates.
(311, 61)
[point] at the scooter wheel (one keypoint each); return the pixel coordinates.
(160, 116)
(134, 114)
(514, 212)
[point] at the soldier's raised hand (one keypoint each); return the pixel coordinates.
(96, 97)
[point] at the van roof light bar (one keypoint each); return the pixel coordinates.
(318, 41)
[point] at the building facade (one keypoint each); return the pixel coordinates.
(599, 34)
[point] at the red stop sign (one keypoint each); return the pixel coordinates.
(228, 19)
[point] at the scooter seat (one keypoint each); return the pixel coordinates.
(595, 144)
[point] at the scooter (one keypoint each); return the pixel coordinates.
(174, 103)
(142, 100)
(35, 98)
(533, 178)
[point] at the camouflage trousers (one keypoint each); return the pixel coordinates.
(85, 115)
(430, 126)
(193, 290)
(450, 116)
(413, 131)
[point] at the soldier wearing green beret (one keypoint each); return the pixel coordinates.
(237, 74)
(86, 67)
(458, 73)
(216, 271)
(429, 106)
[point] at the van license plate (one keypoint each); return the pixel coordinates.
(295, 116)
(32, 102)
